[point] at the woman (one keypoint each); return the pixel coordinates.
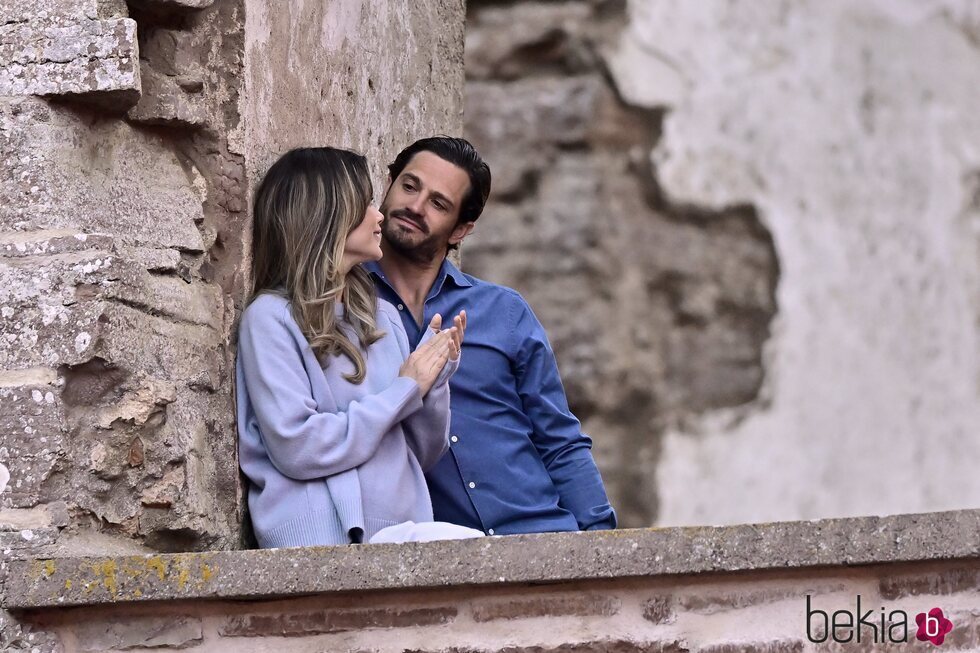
(336, 417)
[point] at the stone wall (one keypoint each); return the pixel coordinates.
(751, 231)
(652, 591)
(122, 214)
(132, 136)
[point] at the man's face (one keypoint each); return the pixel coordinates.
(421, 208)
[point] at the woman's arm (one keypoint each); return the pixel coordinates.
(302, 442)
(427, 430)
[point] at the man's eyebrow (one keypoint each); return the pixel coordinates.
(435, 193)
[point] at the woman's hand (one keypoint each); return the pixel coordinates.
(426, 362)
(459, 322)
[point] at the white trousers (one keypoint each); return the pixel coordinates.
(428, 531)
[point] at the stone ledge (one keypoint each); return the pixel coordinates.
(544, 558)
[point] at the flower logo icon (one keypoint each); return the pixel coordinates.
(933, 626)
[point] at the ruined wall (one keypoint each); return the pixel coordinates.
(132, 136)
(657, 310)
(751, 230)
(121, 209)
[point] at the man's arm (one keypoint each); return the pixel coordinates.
(564, 449)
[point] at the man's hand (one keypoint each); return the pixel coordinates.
(426, 362)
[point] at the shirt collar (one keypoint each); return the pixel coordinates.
(447, 269)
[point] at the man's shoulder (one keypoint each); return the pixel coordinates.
(495, 290)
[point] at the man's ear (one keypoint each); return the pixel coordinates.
(461, 231)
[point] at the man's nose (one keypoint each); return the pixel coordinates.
(417, 204)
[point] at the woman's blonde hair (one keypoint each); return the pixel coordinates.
(307, 204)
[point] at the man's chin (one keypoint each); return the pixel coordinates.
(415, 249)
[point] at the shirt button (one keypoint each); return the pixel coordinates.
(401, 307)
(454, 439)
(472, 485)
(490, 532)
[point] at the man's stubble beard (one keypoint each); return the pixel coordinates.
(425, 251)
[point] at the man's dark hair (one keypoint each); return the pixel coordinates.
(459, 152)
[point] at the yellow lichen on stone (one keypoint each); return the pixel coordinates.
(43, 568)
(157, 564)
(206, 573)
(67, 583)
(107, 570)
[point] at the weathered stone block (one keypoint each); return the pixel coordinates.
(28, 538)
(171, 5)
(333, 621)
(526, 38)
(174, 632)
(134, 189)
(712, 602)
(49, 515)
(61, 11)
(165, 101)
(90, 58)
(779, 646)
(939, 583)
(545, 605)
(658, 610)
(552, 111)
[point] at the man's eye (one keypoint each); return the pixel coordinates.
(440, 206)
(408, 187)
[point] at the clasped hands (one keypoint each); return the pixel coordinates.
(426, 362)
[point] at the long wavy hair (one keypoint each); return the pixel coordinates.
(307, 204)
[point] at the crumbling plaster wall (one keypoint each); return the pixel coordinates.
(854, 129)
(847, 137)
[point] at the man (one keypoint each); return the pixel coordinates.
(518, 461)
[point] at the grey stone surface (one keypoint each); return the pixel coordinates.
(60, 11)
(95, 59)
(543, 558)
(372, 76)
(166, 100)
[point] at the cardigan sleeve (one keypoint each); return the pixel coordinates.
(427, 430)
(303, 443)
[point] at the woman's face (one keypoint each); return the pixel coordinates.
(364, 243)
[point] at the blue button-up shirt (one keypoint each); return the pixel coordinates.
(518, 461)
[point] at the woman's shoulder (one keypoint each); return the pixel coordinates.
(267, 311)
(387, 313)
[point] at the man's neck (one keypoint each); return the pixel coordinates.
(412, 280)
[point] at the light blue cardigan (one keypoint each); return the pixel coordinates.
(328, 461)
